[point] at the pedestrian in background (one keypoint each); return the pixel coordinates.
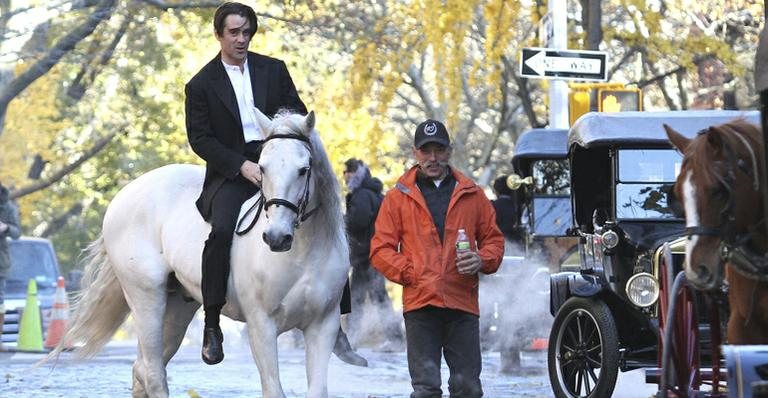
(507, 211)
(9, 228)
(363, 201)
(415, 245)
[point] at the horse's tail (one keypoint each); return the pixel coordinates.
(98, 310)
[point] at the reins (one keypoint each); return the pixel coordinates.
(261, 204)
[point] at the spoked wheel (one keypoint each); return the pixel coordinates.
(679, 358)
(583, 355)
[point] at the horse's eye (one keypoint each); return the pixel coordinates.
(303, 171)
(720, 193)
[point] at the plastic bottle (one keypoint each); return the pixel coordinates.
(462, 241)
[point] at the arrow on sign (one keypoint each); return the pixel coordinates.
(565, 64)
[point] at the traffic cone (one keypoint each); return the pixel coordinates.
(539, 343)
(59, 317)
(30, 331)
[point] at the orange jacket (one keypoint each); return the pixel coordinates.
(406, 247)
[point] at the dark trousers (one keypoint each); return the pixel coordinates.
(225, 207)
(433, 331)
(224, 211)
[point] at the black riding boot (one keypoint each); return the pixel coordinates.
(213, 351)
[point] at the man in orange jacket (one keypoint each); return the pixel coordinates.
(415, 245)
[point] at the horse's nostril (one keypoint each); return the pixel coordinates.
(704, 273)
(287, 241)
(264, 237)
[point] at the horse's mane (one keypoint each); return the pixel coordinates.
(732, 134)
(326, 185)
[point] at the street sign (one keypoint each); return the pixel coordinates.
(550, 63)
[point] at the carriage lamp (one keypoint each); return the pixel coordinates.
(642, 289)
(610, 239)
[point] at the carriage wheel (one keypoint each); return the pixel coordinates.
(583, 354)
(680, 359)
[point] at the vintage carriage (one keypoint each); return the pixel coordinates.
(541, 213)
(607, 314)
(542, 184)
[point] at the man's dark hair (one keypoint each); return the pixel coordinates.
(352, 164)
(3, 194)
(501, 187)
(233, 8)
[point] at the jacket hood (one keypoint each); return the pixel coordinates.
(373, 184)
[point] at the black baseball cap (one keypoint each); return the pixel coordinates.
(431, 131)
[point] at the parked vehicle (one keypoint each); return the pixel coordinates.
(606, 313)
(540, 188)
(542, 175)
(31, 258)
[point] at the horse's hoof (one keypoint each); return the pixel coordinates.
(345, 352)
(213, 352)
(352, 358)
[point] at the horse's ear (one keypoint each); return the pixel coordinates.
(678, 140)
(265, 124)
(309, 122)
(715, 138)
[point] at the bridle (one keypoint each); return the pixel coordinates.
(734, 247)
(299, 208)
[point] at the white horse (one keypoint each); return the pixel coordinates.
(153, 236)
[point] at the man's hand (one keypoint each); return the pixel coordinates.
(3, 227)
(468, 262)
(251, 172)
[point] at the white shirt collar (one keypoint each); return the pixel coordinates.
(235, 67)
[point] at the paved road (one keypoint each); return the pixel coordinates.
(109, 375)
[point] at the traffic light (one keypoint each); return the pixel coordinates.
(602, 97)
(619, 100)
(578, 104)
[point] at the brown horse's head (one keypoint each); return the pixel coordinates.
(718, 192)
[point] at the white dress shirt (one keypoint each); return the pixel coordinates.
(241, 82)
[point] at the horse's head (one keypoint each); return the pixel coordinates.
(286, 168)
(717, 192)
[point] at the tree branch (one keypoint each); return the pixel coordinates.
(57, 176)
(57, 52)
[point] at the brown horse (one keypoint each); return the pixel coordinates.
(718, 190)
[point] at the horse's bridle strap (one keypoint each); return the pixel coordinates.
(299, 137)
(299, 209)
(282, 202)
(699, 230)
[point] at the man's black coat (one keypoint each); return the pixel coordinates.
(213, 118)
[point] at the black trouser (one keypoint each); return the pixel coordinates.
(225, 208)
(429, 331)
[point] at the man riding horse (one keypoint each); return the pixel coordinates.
(223, 130)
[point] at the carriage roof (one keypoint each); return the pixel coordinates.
(596, 129)
(541, 144)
